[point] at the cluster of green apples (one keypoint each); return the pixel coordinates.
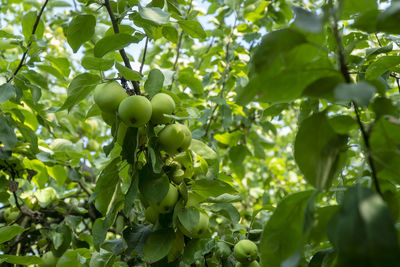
(136, 111)
(246, 253)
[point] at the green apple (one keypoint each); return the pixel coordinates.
(251, 264)
(200, 229)
(108, 117)
(49, 260)
(31, 202)
(109, 95)
(187, 138)
(11, 214)
(151, 214)
(168, 203)
(245, 251)
(162, 104)
(135, 111)
(170, 138)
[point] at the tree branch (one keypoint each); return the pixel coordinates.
(122, 52)
(178, 46)
(21, 63)
(144, 55)
(346, 75)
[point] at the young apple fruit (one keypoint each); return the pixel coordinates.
(187, 138)
(109, 95)
(245, 251)
(135, 110)
(171, 138)
(49, 260)
(168, 203)
(162, 104)
(200, 229)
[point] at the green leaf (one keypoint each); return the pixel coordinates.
(7, 134)
(307, 21)
(317, 150)
(79, 88)
(385, 143)
(360, 92)
(187, 78)
(61, 240)
(80, 29)
(189, 218)
(389, 18)
(362, 231)
(380, 66)
(158, 245)
(193, 28)
(154, 187)
(154, 82)
(352, 7)
(7, 91)
(170, 33)
(212, 188)
(135, 236)
(227, 210)
(209, 155)
(154, 14)
(112, 42)
(22, 260)
(127, 73)
(28, 21)
(99, 232)
(282, 234)
(93, 63)
(343, 124)
(105, 186)
(9, 232)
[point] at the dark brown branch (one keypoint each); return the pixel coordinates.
(178, 47)
(21, 63)
(144, 55)
(122, 52)
(346, 75)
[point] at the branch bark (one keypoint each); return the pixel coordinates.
(21, 63)
(114, 22)
(346, 75)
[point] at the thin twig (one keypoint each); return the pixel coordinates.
(178, 46)
(144, 54)
(346, 75)
(122, 52)
(21, 63)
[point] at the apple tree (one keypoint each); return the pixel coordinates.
(199, 133)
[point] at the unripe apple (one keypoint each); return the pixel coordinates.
(109, 95)
(49, 260)
(168, 203)
(171, 138)
(108, 118)
(151, 214)
(162, 104)
(200, 229)
(31, 202)
(11, 214)
(187, 138)
(245, 251)
(135, 111)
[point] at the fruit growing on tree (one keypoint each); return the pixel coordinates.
(200, 229)
(49, 260)
(166, 205)
(108, 96)
(135, 111)
(175, 138)
(245, 251)
(162, 104)
(11, 214)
